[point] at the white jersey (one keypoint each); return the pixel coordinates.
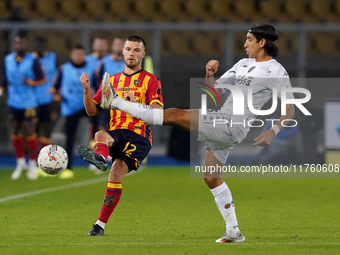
(261, 78)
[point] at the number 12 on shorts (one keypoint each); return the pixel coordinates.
(129, 148)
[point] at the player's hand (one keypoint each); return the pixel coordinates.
(129, 96)
(26, 81)
(211, 68)
(85, 81)
(265, 138)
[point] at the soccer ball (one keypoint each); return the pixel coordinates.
(52, 159)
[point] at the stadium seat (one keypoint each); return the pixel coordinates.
(97, 7)
(145, 7)
(174, 10)
(74, 8)
(25, 6)
(199, 10)
(123, 9)
(205, 44)
(299, 11)
(245, 7)
(176, 44)
(238, 43)
(225, 10)
(323, 44)
(5, 11)
(150, 11)
(287, 43)
(336, 10)
(273, 10)
(51, 10)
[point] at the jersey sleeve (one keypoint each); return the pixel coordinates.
(229, 76)
(155, 94)
(283, 81)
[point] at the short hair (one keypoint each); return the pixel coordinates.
(21, 34)
(268, 32)
(78, 46)
(136, 38)
(40, 40)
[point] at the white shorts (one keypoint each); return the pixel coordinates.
(220, 138)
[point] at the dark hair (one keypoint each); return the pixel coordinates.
(40, 40)
(22, 34)
(136, 38)
(268, 32)
(78, 46)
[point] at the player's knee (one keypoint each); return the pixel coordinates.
(104, 137)
(213, 182)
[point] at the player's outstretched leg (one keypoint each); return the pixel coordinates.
(110, 100)
(92, 157)
(100, 152)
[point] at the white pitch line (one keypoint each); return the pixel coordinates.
(42, 191)
(146, 243)
(72, 185)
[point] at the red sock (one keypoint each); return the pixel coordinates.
(102, 149)
(32, 144)
(19, 146)
(111, 199)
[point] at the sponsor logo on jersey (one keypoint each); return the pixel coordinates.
(251, 69)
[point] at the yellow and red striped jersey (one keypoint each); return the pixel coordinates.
(147, 89)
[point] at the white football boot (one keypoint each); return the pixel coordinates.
(108, 93)
(230, 237)
(19, 169)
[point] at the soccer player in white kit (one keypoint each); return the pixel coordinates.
(260, 72)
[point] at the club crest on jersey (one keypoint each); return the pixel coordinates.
(251, 69)
(136, 82)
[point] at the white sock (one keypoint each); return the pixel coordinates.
(21, 162)
(32, 165)
(100, 223)
(225, 205)
(140, 111)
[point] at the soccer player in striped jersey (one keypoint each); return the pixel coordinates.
(263, 74)
(128, 140)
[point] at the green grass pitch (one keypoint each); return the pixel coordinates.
(164, 211)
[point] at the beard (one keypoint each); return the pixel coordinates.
(131, 65)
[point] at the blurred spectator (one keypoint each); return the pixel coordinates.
(71, 92)
(51, 65)
(100, 50)
(113, 63)
(22, 73)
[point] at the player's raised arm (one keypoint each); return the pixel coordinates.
(210, 70)
(90, 106)
(266, 138)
